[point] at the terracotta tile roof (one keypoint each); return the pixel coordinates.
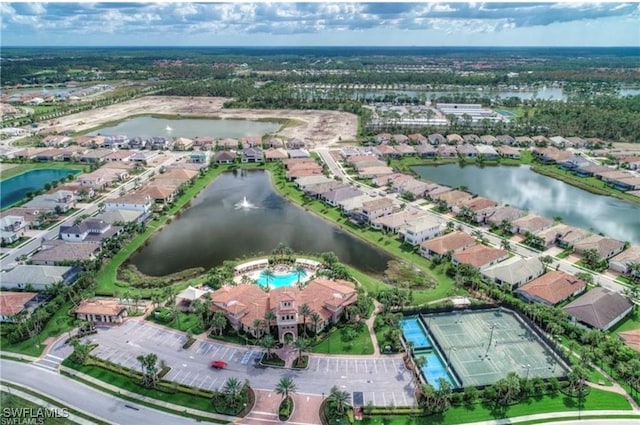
(454, 197)
(532, 223)
(599, 307)
(102, 307)
(554, 286)
(480, 255)
(450, 242)
(12, 303)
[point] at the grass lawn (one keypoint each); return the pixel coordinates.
(596, 400)
(107, 284)
(334, 344)
(60, 322)
(23, 168)
(12, 401)
(630, 323)
(185, 322)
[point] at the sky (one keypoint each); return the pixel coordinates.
(320, 24)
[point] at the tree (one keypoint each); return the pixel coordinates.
(232, 390)
(505, 244)
(80, 351)
(305, 311)
(300, 270)
(268, 342)
(591, 257)
(285, 387)
(149, 367)
(339, 400)
(586, 277)
(577, 379)
(258, 327)
(269, 317)
(315, 320)
(268, 275)
(219, 322)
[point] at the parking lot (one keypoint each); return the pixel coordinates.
(382, 380)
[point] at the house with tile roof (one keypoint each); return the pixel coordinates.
(244, 304)
(103, 311)
(600, 308)
(621, 262)
(530, 223)
(552, 288)
(480, 256)
(394, 223)
(421, 229)
(453, 242)
(57, 251)
(14, 303)
(515, 272)
(38, 277)
(606, 247)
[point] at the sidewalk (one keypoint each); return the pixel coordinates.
(372, 333)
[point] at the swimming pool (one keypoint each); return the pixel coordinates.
(414, 332)
(434, 369)
(279, 280)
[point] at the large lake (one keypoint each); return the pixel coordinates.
(525, 189)
(184, 127)
(215, 229)
(16, 188)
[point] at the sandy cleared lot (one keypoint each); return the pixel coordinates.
(323, 128)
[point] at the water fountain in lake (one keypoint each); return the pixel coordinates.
(244, 204)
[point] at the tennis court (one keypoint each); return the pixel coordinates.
(484, 346)
(414, 332)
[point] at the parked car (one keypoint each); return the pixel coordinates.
(218, 364)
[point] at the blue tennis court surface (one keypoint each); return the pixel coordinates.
(434, 369)
(414, 333)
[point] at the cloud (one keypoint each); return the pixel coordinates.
(69, 19)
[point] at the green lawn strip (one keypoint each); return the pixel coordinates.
(334, 343)
(107, 284)
(598, 378)
(590, 184)
(23, 168)
(576, 418)
(54, 403)
(596, 400)
(12, 401)
(185, 322)
(60, 322)
(632, 322)
(177, 398)
(391, 244)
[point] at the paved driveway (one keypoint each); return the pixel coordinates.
(382, 380)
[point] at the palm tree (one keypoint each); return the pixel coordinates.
(269, 317)
(219, 322)
(285, 387)
(268, 342)
(315, 320)
(305, 311)
(339, 399)
(232, 389)
(268, 275)
(299, 272)
(149, 367)
(301, 344)
(258, 326)
(505, 244)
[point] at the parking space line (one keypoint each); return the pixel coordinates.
(185, 377)
(175, 378)
(212, 383)
(384, 400)
(393, 395)
(194, 379)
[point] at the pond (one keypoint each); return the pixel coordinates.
(542, 195)
(240, 214)
(14, 189)
(184, 127)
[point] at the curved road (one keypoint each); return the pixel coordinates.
(84, 398)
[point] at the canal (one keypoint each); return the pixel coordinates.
(522, 188)
(240, 214)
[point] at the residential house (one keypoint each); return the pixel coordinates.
(37, 277)
(590, 170)
(453, 198)
(372, 172)
(103, 311)
(560, 142)
(13, 304)
(467, 151)
(252, 155)
(600, 308)
(400, 139)
(622, 261)
(530, 223)
(570, 236)
(56, 251)
(61, 201)
(319, 189)
(224, 157)
(421, 229)
(453, 242)
(524, 141)
(551, 155)
(471, 138)
(488, 139)
(605, 247)
(577, 142)
(133, 201)
(611, 175)
(351, 206)
(395, 222)
(298, 153)
(552, 288)
(144, 157)
(540, 141)
(275, 154)
(515, 272)
(158, 143)
(199, 157)
(305, 182)
(387, 151)
(119, 155)
(377, 208)
(497, 215)
(426, 151)
(508, 152)
(505, 139)
(160, 193)
(405, 150)
(382, 138)
(56, 141)
(417, 138)
(630, 162)
(625, 184)
(446, 151)
(12, 227)
(116, 141)
(275, 142)
(480, 256)
(454, 139)
(122, 216)
(227, 144)
(88, 230)
(183, 144)
(437, 139)
(244, 304)
(49, 155)
(475, 204)
(487, 152)
(251, 141)
(338, 195)
(296, 144)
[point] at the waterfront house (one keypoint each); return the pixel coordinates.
(12, 304)
(605, 247)
(227, 144)
(395, 222)
(103, 311)
(476, 205)
(600, 308)
(377, 208)
(570, 236)
(305, 182)
(552, 288)
(487, 152)
(319, 189)
(421, 229)
(621, 262)
(497, 215)
(508, 152)
(61, 201)
(133, 201)
(515, 272)
(335, 196)
(275, 154)
(530, 223)
(49, 155)
(252, 155)
(436, 139)
(426, 151)
(37, 277)
(183, 144)
(160, 193)
(352, 206)
(627, 183)
(453, 198)
(56, 251)
(590, 170)
(447, 151)
(454, 139)
(467, 151)
(480, 256)
(224, 157)
(88, 230)
(488, 139)
(453, 242)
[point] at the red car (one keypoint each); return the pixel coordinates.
(218, 364)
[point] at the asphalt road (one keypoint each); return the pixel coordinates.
(82, 397)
